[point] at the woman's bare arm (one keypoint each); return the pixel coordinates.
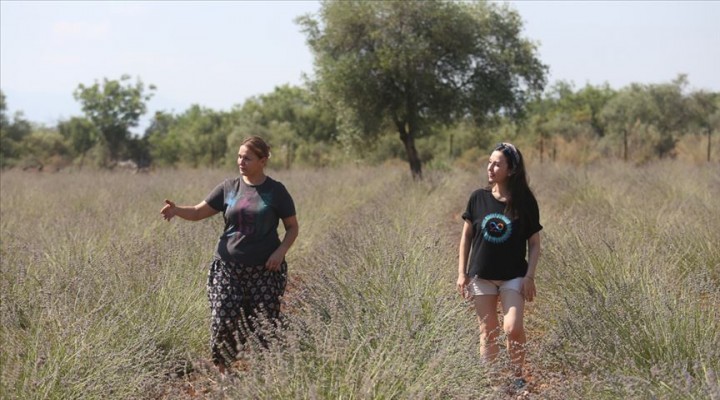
(464, 252)
(197, 212)
(292, 229)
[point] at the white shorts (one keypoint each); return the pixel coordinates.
(479, 287)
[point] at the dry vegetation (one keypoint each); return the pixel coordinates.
(103, 299)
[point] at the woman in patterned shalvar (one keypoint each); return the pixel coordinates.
(247, 277)
(502, 225)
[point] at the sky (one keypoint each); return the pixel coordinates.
(219, 54)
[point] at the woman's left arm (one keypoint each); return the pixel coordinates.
(291, 233)
(533, 257)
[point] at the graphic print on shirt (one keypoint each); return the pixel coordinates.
(249, 204)
(496, 228)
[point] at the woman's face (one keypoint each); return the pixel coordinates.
(498, 169)
(249, 163)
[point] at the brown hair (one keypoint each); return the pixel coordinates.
(257, 145)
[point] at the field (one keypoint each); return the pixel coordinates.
(101, 298)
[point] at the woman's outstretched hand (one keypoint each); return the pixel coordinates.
(169, 210)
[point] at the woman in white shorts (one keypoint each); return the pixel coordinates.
(502, 225)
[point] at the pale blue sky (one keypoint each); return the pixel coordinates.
(218, 54)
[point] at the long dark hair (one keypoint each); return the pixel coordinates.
(521, 197)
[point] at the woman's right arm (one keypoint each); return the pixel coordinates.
(197, 212)
(464, 252)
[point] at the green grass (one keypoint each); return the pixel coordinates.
(101, 298)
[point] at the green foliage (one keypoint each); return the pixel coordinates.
(297, 107)
(299, 127)
(289, 118)
(704, 115)
(114, 106)
(45, 146)
(317, 126)
(594, 100)
(3, 109)
(165, 149)
(80, 134)
(665, 107)
(580, 108)
(704, 110)
(640, 122)
(203, 139)
(566, 114)
(12, 135)
(197, 137)
(405, 66)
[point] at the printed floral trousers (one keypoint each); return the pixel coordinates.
(240, 297)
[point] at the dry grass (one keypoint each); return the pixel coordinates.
(101, 298)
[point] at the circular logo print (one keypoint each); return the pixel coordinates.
(496, 228)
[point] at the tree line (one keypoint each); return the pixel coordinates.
(445, 78)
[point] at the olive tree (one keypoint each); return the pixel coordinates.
(407, 65)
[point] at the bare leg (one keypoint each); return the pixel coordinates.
(513, 305)
(486, 310)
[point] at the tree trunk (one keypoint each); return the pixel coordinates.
(288, 155)
(625, 145)
(450, 152)
(709, 132)
(408, 139)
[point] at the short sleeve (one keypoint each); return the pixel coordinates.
(533, 218)
(216, 198)
(286, 205)
(469, 209)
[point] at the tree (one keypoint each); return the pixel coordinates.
(295, 106)
(562, 111)
(294, 120)
(81, 134)
(165, 147)
(704, 111)
(3, 108)
(590, 101)
(114, 107)
(670, 112)
(44, 147)
(409, 65)
(199, 135)
(12, 134)
(629, 107)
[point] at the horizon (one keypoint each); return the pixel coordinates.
(197, 53)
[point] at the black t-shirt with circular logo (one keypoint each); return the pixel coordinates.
(499, 243)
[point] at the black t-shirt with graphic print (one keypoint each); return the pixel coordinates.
(251, 214)
(499, 245)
